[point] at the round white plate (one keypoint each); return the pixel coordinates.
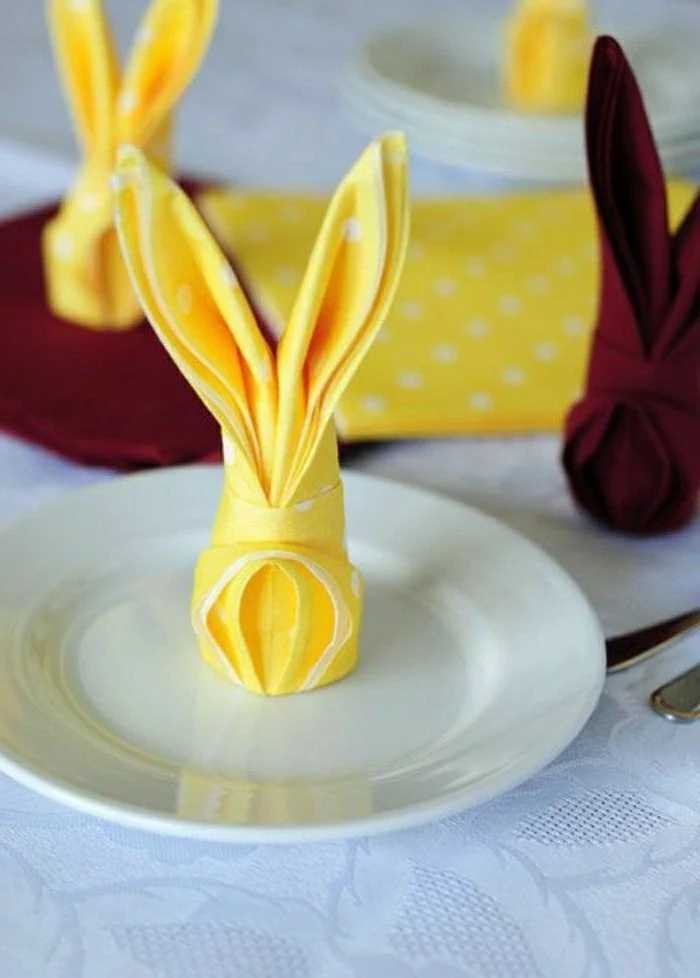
(441, 82)
(480, 661)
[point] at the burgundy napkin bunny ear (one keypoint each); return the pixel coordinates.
(633, 441)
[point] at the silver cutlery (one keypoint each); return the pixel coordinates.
(680, 699)
(624, 651)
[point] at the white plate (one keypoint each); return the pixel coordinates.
(480, 661)
(446, 145)
(440, 80)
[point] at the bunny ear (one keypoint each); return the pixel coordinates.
(628, 182)
(346, 292)
(169, 46)
(88, 67)
(192, 299)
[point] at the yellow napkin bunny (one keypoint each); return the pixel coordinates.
(85, 275)
(276, 603)
(548, 46)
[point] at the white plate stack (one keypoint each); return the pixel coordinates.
(440, 81)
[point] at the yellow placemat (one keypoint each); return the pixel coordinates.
(489, 331)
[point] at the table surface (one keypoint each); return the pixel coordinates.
(591, 869)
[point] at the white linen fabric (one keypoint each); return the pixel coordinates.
(590, 870)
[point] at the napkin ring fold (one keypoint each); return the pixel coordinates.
(277, 603)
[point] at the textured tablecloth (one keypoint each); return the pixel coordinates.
(591, 869)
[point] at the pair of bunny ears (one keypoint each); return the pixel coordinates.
(631, 451)
(109, 106)
(273, 406)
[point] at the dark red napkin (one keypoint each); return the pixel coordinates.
(632, 443)
(101, 398)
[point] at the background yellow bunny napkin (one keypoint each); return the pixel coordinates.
(86, 279)
(276, 603)
(546, 55)
(489, 331)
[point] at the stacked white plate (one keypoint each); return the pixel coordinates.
(440, 82)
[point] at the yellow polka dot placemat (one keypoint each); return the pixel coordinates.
(489, 331)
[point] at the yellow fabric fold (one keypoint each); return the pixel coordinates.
(546, 55)
(85, 276)
(489, 331)
(276, 603)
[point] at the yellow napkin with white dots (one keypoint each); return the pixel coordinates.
(490, 327)
(276, 603)
(546, 55)
(85, 275)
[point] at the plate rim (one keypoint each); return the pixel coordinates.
(409, 816)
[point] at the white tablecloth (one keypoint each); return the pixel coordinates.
(592, 869)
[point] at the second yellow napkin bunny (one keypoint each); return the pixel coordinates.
(276, 603)
(547, 52)
(85, 275)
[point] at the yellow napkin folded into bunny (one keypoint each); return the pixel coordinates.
(546, 55)
(85, 275)
(489, 332)
(276, 603)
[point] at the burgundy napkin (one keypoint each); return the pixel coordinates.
(632, 443)
(101, 398)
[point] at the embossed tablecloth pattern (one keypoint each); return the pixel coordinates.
(592, 869)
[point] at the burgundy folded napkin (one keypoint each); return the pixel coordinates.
(105, 398)
(98, 397)
(632, 443)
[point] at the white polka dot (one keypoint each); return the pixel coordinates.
(509, 305)
(396, 158)
(63, 246)
(352, 230)
(545, 351)
(416, 250)
(356, 583)
(79, 4)
(89, 202)
(437, 229)
(504, 252)
(373, 404)
(144, 35)
(285, 275)
(306, 505)
(574, 325)
(524, 230)
(513, 375)
(183, 297)
(476, 267)
(550, 210)
(292, 213)
(412, 310)
(258, 233)
(411, 380)
(480, 401)
(128, 100)
(117, 182)
(539, 284)
(444, 353)
(566, 266)
(444, 287)
(228, 276)
(262, 369)
(229, 452)
(384, 335)
(477, 327)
